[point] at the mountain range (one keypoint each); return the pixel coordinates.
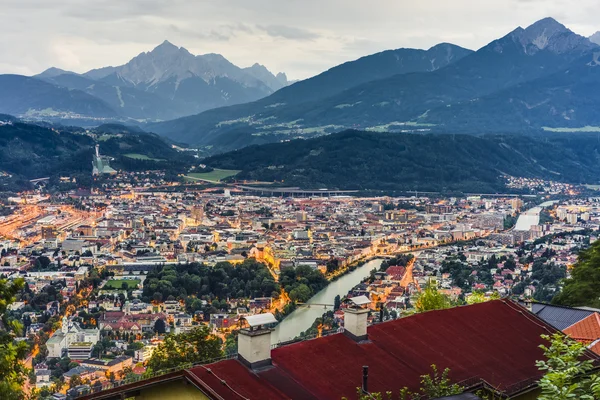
(165, 83)
(540, 77)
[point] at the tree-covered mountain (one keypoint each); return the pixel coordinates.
(30, 97)
(430, 162)
(399, 102)
(32, 151)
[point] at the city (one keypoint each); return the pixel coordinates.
(110, 273)
(299, 200)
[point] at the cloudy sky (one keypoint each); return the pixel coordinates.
(299, 37)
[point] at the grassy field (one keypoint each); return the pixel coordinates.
(141, 157)
(216, 175)
(118, 284)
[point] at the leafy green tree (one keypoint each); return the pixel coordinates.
(75, 381)
(583, 287)
(12, 371)
(431, 299)
(567, 371)
(160, 326)
(231, 343)
(337, 303)
(433, 385)
(302, 293)
(479, 297)
(186, 348)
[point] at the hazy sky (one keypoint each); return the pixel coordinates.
(299, 37)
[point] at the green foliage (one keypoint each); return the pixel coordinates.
(400, 260)
(479, 297)
(122, 284)
(302, 282)
(583, 287)
(33, 151)
(224, 280)
(231, 343)
(567, 371)
(325, 322)
(392, 161)
(184, 349)
(436, 385)
(433, 385)
(431, 299)
(510, 221)
(337, 303)
(301, 293)
(13, 372)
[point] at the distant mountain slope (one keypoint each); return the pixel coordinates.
(569, 99)
(167, 61)
(542, 49)
(366, 69)
(128, 101)
(393, 161)
(53, 72)
(260, 72)
(170, 82)
(331, 82)
(201, 81)
(21, 95)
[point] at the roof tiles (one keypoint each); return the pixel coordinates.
(496, 341)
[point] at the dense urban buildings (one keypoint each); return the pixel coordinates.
(112, 274)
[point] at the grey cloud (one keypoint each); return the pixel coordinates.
(110, 10)
(300, 37)
(191, 33)
(288, 32)
(240, 27)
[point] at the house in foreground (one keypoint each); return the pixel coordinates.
(492, 345)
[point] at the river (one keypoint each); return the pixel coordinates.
(531, 216)
(302, 318)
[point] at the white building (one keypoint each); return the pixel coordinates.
(70, 333)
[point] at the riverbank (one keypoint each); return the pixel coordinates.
(303, 317)
(531, 217)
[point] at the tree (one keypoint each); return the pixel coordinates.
(436, 385)
(186, 348)
(75, 381)
(12, 371)
(433, 386)
(479, 297)
(567, 371)
(583, 287)
(337, 302)
(160, 326)
(431, 299)
(301, 293)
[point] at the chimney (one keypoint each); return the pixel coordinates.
(355, 319)
(365, 381)
(254, 343)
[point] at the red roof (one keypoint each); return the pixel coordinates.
(586, 329)
(238, 378)
(397, 272)
(496, 341)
